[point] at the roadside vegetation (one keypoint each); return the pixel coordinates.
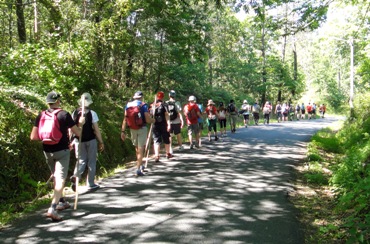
(333, 185)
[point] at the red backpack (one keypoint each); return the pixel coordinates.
(49, 128)
(133, 117)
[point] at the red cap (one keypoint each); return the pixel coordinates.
(160, 95)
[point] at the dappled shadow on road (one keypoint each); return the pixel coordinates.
(233, 190)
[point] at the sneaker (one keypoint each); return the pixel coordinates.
(156, 159)
(197, 145)
(62, 205)
(52, 213)
(216, 138)
(93, 187)
(191, 146)
(169, 155)
(139, 173)
(181, 147)
(143, 169)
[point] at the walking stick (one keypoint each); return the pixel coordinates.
(79, 151)
(46, 184)
(148, 140)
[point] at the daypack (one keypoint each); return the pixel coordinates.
(87, 130)
(232, 108)
(191, 113)
(49, 128)
(159, 113)
(133, 117)
(172, 110)
(256, 108)
(278, 108)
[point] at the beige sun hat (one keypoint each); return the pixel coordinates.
(245, 102)
(210, 102)
(88, 100)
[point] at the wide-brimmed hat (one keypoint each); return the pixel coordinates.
(138, 94)
(210, 102)
(88, 100)
(245, 102)
(192, 99)
(52, 97)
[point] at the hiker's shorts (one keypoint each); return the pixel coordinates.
(160, 134)
(139, 137)
(175, 129)
(193, 128)
(58, 163)
(222, 123)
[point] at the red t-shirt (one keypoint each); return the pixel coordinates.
(211, 112)
(309, 108)
(191, 111)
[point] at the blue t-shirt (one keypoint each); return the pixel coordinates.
(200, 119)
(144, 108)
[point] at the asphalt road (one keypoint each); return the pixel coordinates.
(230, 191)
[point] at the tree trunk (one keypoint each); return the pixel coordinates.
(20, 22)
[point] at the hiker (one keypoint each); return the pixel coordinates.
(303, 111)
(314, 110)
(176, 120)
(278, 111)
(192, 113)
(309, 110)
(222, 112)
(57, 153)
(161, 128)
(212, 115)
(233, 112)
(297, 111)
(322, 110)
(266, 113)
(285, 109)
(256, 112)
(91, 141)
(136, 117)
(245, 111)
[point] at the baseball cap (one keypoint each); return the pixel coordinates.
(138, 94)
(52, 97)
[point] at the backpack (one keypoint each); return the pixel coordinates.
(87, 130)
(133, 117)
(49, 128)
(192, 113)
(256, 108)
(172, 110)
(278, 108)
(231, 108)
(159, 113)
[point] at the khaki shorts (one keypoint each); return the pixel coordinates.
(139, 137)
(58, 163)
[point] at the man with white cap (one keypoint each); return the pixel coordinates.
(86, 153)
(177, 122)
(246, 109)
(192, 113)
(136, 117)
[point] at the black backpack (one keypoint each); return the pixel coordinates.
(159, 113)
(232, 108)
(172, 110)
(87, 130)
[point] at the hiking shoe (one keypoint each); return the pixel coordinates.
(62, 205)
(191, 146)
(139, 173)
(156, 159)
(169, 155)
(52, 213)
(143, 168)
(93, 187)
(216, 138)
(181, 147)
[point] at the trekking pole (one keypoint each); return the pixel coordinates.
(79, 152)
(148, 141)
(46, 184)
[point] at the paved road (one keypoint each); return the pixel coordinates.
(230, 191)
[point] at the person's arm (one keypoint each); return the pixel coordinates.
(167, 116)
(35, 134)
(123, 127)
(181, 119)
(98, 136)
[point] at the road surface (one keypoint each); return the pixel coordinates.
(230, 191)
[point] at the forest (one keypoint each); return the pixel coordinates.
(259, 50)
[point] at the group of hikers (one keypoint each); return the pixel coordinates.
(61, 131)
